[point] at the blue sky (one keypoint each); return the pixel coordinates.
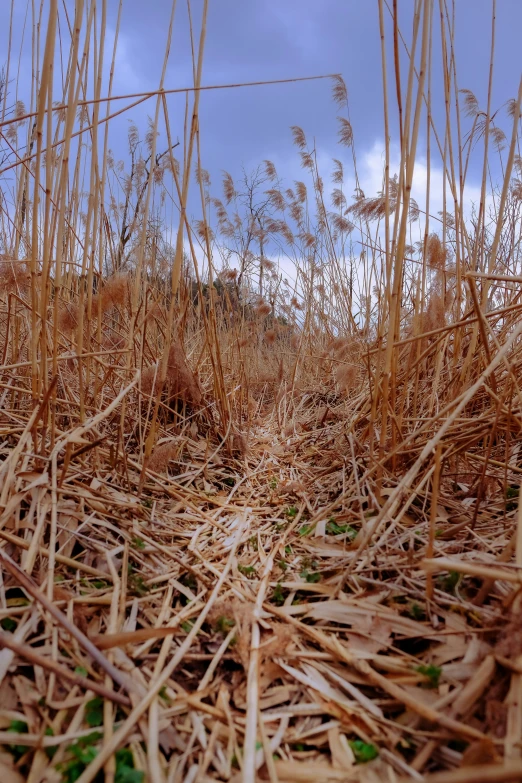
(251, 40)
(270, 39)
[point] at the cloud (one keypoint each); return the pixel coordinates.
(370, 167)
(371, 176)
(127, 78)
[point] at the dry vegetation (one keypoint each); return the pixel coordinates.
(253, 529)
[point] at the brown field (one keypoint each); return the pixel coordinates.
(254, 529)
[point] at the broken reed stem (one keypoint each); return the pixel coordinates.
(153, 93)
(433, 517)
(123, 732)
(29, 586)
(512, 748)
(253, 680)
(439, 564)
(483, 773)
(28, 654)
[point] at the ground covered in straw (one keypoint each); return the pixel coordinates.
(270, 615)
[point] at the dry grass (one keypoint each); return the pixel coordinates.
(257, 529)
